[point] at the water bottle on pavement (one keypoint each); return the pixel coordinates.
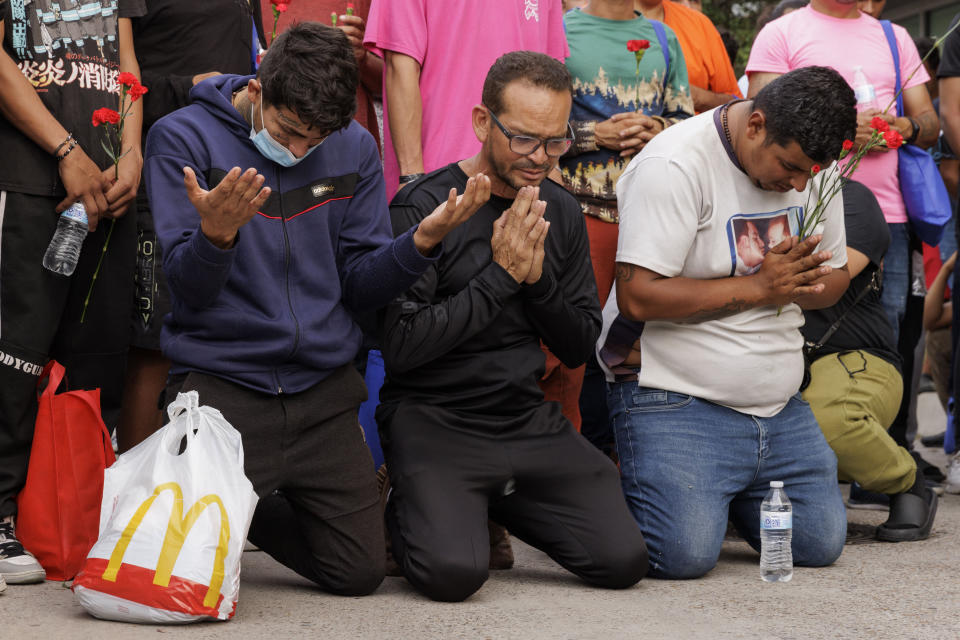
(864, 90)
(64, 248)
(776, 531)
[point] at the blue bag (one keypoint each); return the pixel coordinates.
(373, 378)
(924, 194)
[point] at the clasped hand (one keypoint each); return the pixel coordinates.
(627, 132)
(103, 193)
(790, 269)
(519, 235)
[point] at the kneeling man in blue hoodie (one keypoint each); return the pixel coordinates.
(267, 268)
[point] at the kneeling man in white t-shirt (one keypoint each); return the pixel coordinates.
(712, 414)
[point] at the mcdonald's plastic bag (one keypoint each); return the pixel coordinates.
(175, 513)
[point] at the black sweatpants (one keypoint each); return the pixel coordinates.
(533, 473)
(40, 319)
(319, 510)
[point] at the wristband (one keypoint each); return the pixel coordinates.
(410, 177)
(71, 147)
(56, 152)
(915, 133)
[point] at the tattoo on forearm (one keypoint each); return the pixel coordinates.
(736, 305)
(624, 271)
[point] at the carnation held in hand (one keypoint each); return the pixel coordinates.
(105, 116)
(638, 48)
(129, 87)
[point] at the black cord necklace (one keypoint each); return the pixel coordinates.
(725, 124)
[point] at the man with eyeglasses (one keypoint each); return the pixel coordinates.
(465, 428)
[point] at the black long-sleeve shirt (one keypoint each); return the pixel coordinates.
(467, 335)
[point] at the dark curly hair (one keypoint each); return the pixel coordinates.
(538, 69)
(310, 69)
(813, 106)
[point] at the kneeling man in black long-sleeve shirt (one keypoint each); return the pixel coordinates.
(465, 428)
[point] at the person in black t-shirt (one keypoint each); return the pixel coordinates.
(58, 64)
(464, 426)
(855, 383)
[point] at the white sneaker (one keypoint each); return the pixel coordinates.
(952, 484)
(17, 566)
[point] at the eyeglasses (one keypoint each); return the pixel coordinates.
(525, 145)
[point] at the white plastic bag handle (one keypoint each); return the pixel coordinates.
(184, 402)
(189, 403)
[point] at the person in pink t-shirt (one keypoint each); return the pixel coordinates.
(436, 54)
(836, 34)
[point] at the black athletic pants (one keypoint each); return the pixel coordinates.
(319, 510)
(40, 319)
(534, 474)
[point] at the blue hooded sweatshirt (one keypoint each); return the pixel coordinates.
(273, 312)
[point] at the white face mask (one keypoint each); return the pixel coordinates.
(269, 148)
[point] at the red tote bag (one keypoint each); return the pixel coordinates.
(58, 511)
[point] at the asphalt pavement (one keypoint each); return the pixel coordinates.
(875, 591)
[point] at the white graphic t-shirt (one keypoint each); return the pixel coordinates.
(687, 210)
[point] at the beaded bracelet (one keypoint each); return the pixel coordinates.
(56, 152)
(73, 145)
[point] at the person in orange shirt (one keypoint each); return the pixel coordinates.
(712, 81)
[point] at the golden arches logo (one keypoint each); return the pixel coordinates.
(177, 530)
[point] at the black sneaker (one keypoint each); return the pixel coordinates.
(860, 498)
(933, 441)
(17, 565)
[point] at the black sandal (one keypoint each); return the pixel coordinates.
(911, 517)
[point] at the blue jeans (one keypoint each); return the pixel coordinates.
(896, 276)
(687, 464)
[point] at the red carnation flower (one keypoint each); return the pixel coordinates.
(279, 7)
(847, 145)
(637, 45)
(880, 125)
(815, 169)
(105, 116)
(127, 79)
(136, 92)
(893, 139)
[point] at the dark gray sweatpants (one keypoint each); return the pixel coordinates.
(319, 510)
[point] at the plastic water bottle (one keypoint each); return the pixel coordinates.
(64, 248)
(776, 532)
(864, 91)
